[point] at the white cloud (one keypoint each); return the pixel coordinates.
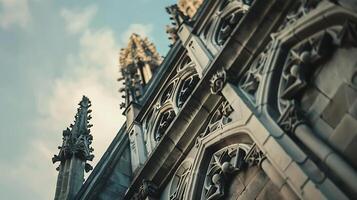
(143, 30)
(92, 72)
(78, 20)
(42, 172)
(99, 48)
(14, 12)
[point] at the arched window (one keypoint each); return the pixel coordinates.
(163, 122)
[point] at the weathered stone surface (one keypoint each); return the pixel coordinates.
(270, 191)
(331, 190)
(255, 186)
(287, 193)
(310, 191)
(292, 149)
(258, 96)
(259, 133)
(296, 176)
(345, 133)
(314, 173)
(339, 105)
(277, 154)
(74, 153)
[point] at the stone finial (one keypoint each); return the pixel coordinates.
(189, 7)
(139, 50)
(177, 17)
(77, 139)
(138, 62)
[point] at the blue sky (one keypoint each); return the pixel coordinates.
(51, 53)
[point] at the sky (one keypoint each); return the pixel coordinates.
(51, 53)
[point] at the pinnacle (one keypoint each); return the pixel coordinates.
(138, 49)
(77, 138)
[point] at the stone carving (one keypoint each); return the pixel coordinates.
(188, 81)
(170, 100)
(302, 8)
(179, 182)
(185, 63)
(177, 18)
(220, 118)
(253, 157)
(77, 140)
(167, 93)
(164, 122)
(312, 72)
(139, 49)
(137, 62)
(228, 23)
(218, 81)
(251, 80)
(223, 22)
(297, 71)
(189, 7)
(188, 85)
(224, 164)
(300, 65)
(290, 118)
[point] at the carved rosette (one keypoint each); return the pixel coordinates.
(218, 81)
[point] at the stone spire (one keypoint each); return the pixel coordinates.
(138, 62)
(74, 153)
(189, 7)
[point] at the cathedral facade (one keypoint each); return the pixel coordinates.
(256, 99)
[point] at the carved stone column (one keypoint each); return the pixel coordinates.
(195, 48)
(137, 147)
(292, 121)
